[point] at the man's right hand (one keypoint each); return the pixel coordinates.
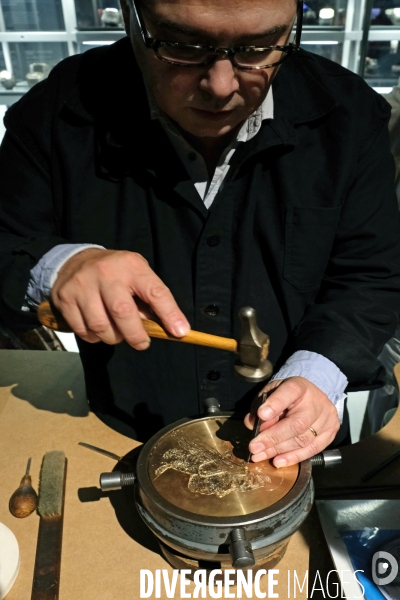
(95, 291)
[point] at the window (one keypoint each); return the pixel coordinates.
(33, 15)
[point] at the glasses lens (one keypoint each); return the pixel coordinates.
(185, 55)
(259, 57)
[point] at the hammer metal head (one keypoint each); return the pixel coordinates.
(253, 348)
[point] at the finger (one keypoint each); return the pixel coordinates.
(97, 319)
(73, 315)
(251, 417)
(307, 439)
(284, 396)
(295, 456)
(302, 446)
(267, 424)
(250, 422)
(156, 294)
(124, 315)
(145, 312)
(292, 426)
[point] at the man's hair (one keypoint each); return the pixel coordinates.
(129, 2)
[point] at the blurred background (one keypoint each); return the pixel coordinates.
(362, 35)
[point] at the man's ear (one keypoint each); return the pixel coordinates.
(126, 15)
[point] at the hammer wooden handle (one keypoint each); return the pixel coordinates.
(52, 318)
(193, 337)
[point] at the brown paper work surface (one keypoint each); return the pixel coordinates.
(105, 544)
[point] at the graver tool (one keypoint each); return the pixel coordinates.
(100, 451)
(257, 424)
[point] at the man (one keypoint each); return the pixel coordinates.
(221, 168)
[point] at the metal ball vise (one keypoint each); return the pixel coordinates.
(196, 492)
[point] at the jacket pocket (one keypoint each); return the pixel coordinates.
(309, 237)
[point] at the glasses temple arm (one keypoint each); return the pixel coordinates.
(299, 24)
(140, 22)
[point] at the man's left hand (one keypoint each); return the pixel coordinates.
(292, 408)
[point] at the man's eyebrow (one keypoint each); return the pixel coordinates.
(277, 30)
(193, 32)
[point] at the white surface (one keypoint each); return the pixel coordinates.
(3, 109)
(9, 560)
(68, 340)
(319, 43)
(383, 90)
(356, 404)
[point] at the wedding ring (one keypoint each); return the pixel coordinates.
(313, 431)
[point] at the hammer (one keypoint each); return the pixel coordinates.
(252, 348)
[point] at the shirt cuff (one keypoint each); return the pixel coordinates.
(320, 371)
(44, 273)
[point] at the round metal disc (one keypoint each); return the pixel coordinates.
(201, 467)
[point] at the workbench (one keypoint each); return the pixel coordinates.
(105, 544)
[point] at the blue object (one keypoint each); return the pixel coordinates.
(361, 546)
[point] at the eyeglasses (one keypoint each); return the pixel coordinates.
(201, 55)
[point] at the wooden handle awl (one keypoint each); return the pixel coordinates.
(52, 318)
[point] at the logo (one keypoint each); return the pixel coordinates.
(384, 568)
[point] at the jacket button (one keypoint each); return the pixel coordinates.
(213, 240)
(212, 310)
(213, 375)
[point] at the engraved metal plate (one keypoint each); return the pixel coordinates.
(201, 467)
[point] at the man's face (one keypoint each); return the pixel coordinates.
(211, 101)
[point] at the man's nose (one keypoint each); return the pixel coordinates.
(220, 80)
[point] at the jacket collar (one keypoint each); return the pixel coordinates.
(301, 89)
(301, 95)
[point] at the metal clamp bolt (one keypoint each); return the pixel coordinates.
(327, 459)
(116, 480)
(240, 549)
